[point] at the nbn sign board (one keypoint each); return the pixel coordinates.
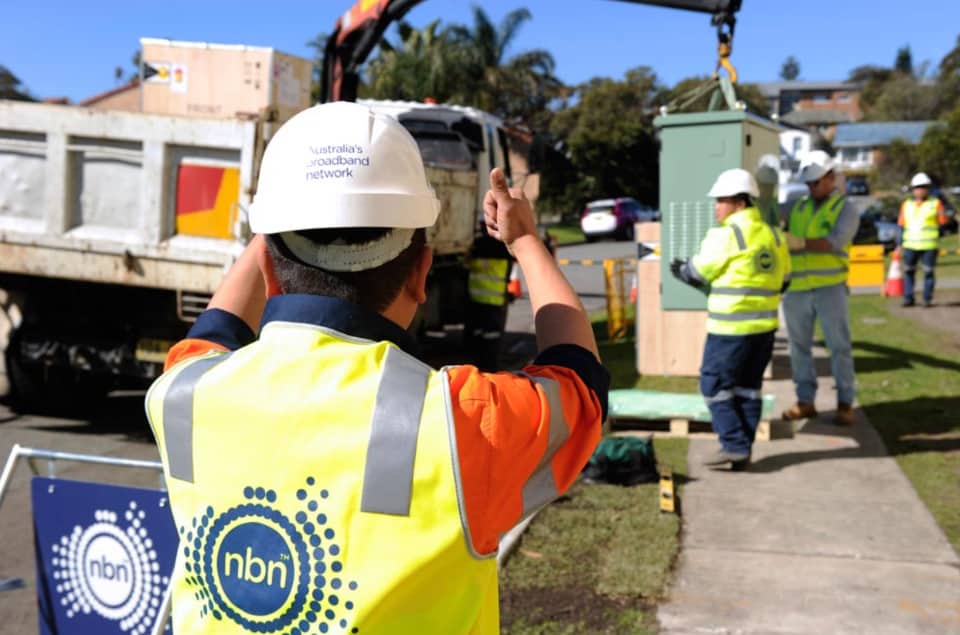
(104, 556)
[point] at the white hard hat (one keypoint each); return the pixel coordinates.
(920, 179)
(816, 164)
(342, 165)
(733, 182)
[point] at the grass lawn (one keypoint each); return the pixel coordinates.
(566, 234)
(909, 385)
(949, 266)
(598, 559)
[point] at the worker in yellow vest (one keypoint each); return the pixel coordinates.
(820, 228)
(322, 479)
(920, 220)
(744, 266)
(486, 313)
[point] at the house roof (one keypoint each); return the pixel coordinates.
(773, 89)
(879, 133)
(89, 101)
(818, 117)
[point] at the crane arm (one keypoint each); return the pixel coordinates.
(361, 27)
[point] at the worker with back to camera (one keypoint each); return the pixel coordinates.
(920, 220)
(744, 266)
(820, 229)
(321, 477)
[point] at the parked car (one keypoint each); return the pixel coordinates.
(857, 185)
(614, 217)
(877, 228)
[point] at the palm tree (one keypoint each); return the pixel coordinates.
(512, 88)
(423, 64)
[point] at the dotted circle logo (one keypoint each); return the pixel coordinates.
(110, 568)
(764, 260)
(255, 566)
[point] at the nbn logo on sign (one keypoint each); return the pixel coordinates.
(256, 568)
(106, 570)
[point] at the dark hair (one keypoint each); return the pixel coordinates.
(373, 289)
(743, 198)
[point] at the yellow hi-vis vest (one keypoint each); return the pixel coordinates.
(815, 269)
(314, 481)
(745, 261)
(921, 232)
(487, 283)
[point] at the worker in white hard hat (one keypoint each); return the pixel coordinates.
(820, 229)
(920, 219)
(321, 477)
(744, 266)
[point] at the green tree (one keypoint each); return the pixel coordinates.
(319, 46)
(693, 94)
(424, 63)
(939, 150)
(904, 98)
(898, 164)
(904, 61)
(11, 87)
(790, 70)
(607, 138)
(514, 87)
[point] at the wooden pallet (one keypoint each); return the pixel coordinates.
(766, 430)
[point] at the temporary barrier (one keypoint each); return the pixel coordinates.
(104, 553)
(866, 266)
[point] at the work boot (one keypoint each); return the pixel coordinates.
(845, 416)
(908, 303)
(799, 410)
(739, 461)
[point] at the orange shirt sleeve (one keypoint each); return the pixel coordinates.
(185, 349)
(519, 437)
(941, 213)
(901, 219)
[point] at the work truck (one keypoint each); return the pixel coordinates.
(117, 227)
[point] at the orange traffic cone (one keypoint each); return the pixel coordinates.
(894, 286)
(633, 290)
(514, 288)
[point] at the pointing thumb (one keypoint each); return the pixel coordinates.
(498, 183)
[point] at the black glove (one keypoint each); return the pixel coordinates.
(681, 271)
(676, 268)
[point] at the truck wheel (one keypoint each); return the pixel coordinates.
(61, 391)
(26, 384)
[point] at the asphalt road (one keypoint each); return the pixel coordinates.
(118, 428)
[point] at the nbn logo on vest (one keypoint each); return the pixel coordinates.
(255, 565)
(105, 555)
(266, 570)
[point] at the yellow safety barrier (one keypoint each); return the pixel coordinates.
(866, 266)
(615, 276)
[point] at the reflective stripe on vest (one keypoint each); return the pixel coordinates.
(324, 489)
(541, 488)
(921, 231)
(487, 283)
(743, 299)
(388, 473)
(178, 416)
(814, 269)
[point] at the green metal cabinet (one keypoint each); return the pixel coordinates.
(694, 149)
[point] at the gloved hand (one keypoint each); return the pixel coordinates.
(681, 271)
(796, 243)
(676, 268)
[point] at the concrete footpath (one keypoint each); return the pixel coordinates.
(825, 534)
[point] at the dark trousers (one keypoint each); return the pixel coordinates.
(928, 260)
(730, 379)
(483, 333)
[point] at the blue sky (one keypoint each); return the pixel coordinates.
(70, 49)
